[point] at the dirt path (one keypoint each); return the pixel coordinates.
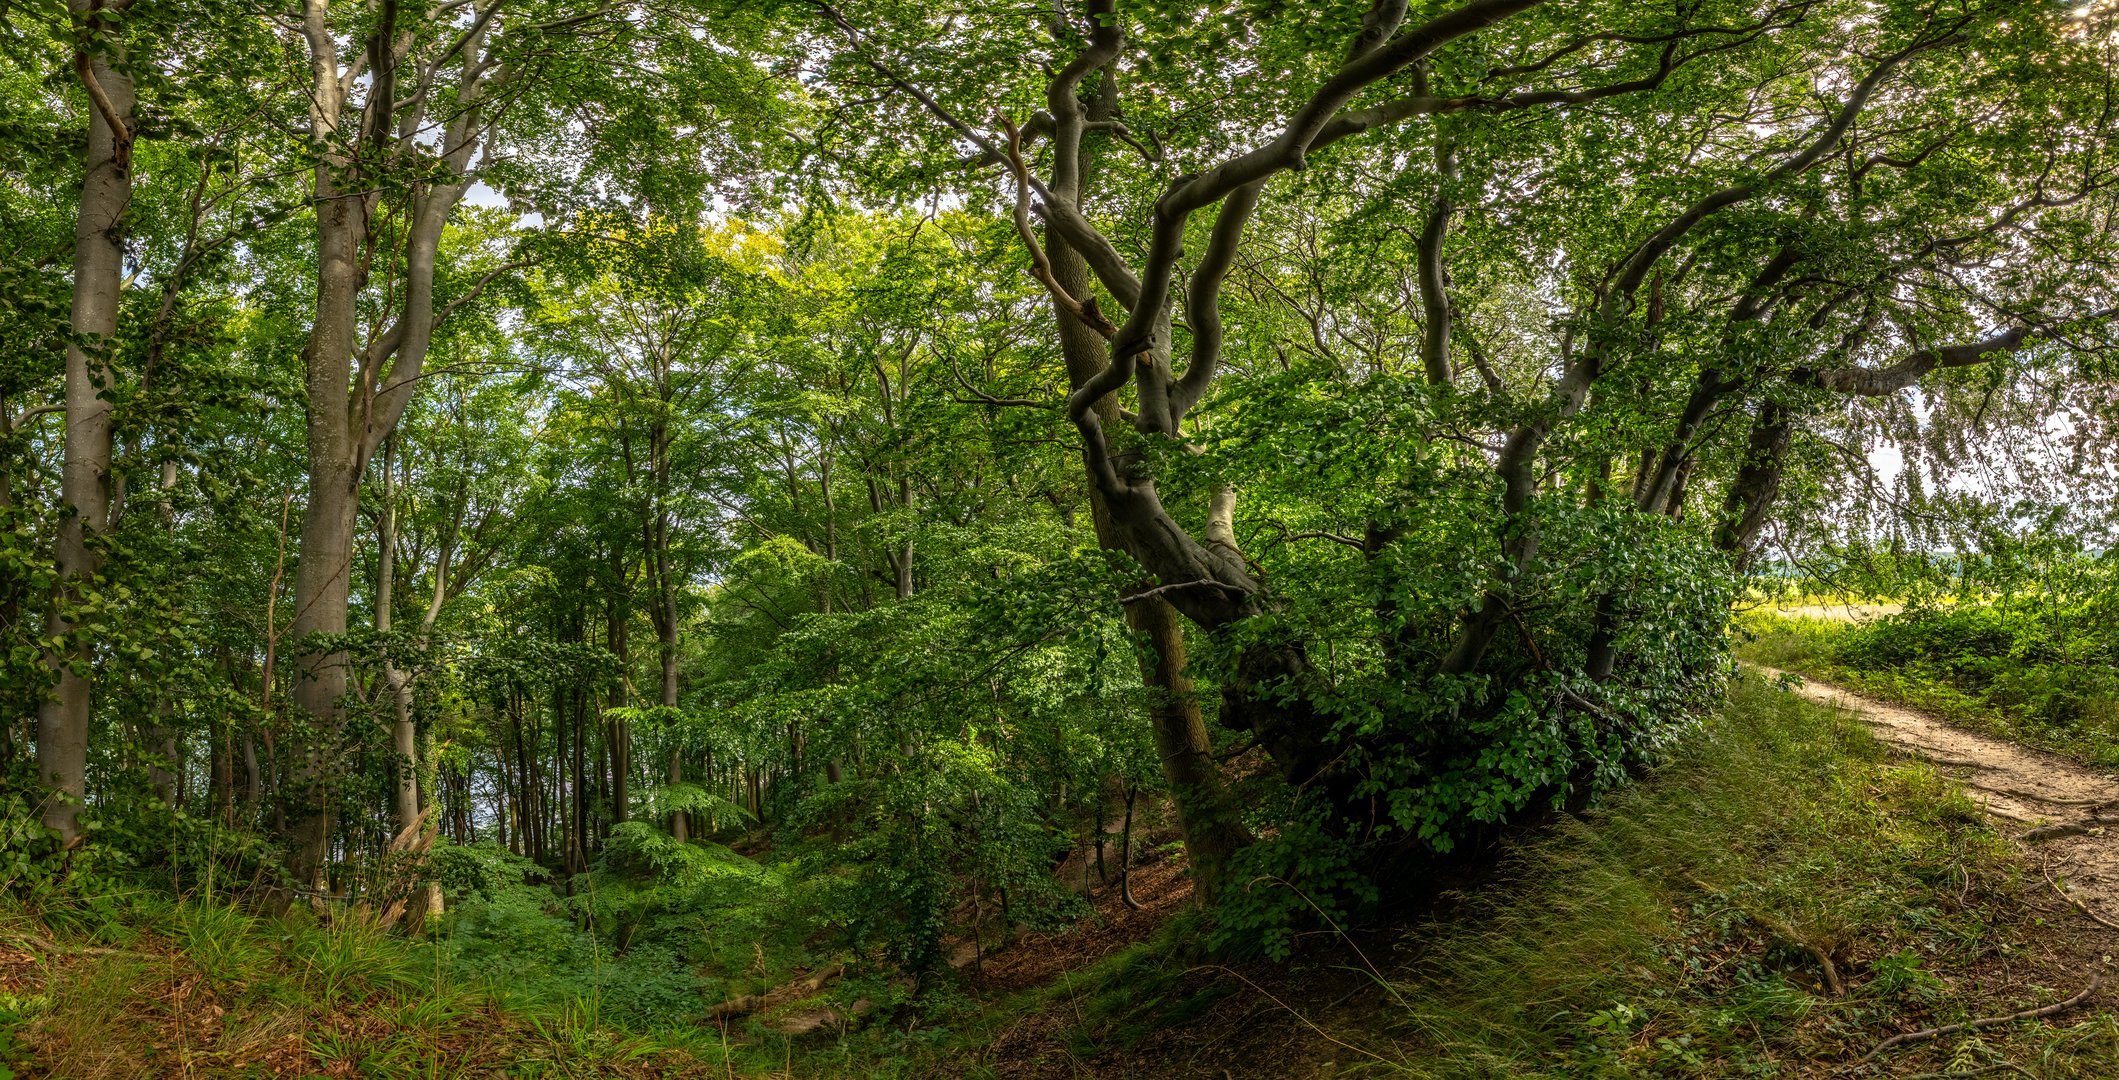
(2067, 813)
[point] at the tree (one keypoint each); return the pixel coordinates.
(1522, 109)
(99, 238)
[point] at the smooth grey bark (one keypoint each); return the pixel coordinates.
(356, 391)
(1213, 831)
(106, 190)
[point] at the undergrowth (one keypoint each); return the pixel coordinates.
(1681, 928)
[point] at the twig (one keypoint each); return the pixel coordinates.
(1566, 691)
(2079, 905)
(984, 398)
(1910, 1037)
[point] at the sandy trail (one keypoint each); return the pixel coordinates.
(2065, 811)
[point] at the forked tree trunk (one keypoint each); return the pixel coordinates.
(347, 422)
(1213, 831)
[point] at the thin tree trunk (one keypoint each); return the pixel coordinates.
(1125, 852)
(621, 733)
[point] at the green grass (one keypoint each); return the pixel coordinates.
(2005, 682)
(1673, 931)
(1678, 929)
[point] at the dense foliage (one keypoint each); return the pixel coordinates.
(695, 492)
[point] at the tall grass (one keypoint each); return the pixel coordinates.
(1685, 924)
(2008, 670)
(1682, 928)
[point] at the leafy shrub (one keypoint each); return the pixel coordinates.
(479, 871)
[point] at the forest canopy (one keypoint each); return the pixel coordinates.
(829, 464)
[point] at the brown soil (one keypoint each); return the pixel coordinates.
(2063, 810)
(1162, 889)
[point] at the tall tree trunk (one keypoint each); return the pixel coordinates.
(666, 629)
(1213, 833)
(348, 417)
(106, 190)
(1212, 830)
(164, 770)
(679, 826)
(323, 569)
(618, 638)
(404, 747)
(253, 779)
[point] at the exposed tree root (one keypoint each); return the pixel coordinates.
(2056, 1008)
(2079, 905)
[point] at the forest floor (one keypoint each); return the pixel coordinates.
(1393, 1002)
(2063, 812)
(1800, 885)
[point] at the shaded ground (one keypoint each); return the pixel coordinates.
(1359, 1006)
(1681, 928)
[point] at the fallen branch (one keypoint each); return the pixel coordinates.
(1833, 982)
(46, 945)
(2079, 905)
(743, 1004)
(1911, 1037)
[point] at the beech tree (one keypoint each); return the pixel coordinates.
(930, 448)
(1556, 133)
(405, 110)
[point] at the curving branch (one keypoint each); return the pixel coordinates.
(1877, 382)
(1083, 310)
(1287, 151)
(1203, 299)
(1633, 272)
